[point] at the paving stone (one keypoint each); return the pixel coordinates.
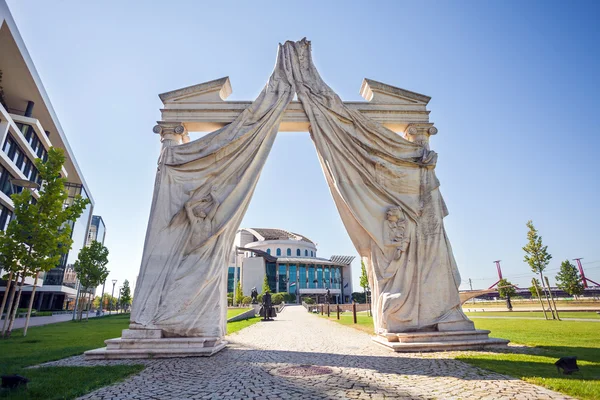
(247, 369)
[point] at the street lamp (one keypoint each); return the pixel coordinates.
(114, 281)
(119, 300)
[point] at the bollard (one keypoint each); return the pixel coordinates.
(354, 311)
(321, 309)
(327, 310)
(338, 311)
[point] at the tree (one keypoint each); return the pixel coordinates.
(40, 232)
(109, 302)
(537, 256)
(265, 288)
(569, 280)
(125, 295)
(239, 294)
(91, 268)
(535, 288)
(364, 279)
(505, 289)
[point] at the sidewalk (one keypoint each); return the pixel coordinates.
(305, 356)
(38, 321)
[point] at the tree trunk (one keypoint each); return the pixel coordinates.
(539, 297)
(30, 304)
(6, 290)
(16, 305)
(87, 314)
(11, 299)
(552, 297)
(546, 294)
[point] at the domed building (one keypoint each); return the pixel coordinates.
(290, 263)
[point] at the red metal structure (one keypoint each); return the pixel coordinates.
(499, 273)
(583, 278)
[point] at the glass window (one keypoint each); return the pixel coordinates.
(282, 278)
(292, 278)
(327, 278)
(278, 252)
(269, 251)
(289, 252)
(302, 278)
(272, 276)
(312, 254)
(298, 252)
(320, 276)
(305, 253)
(311, 276)
(5, 215)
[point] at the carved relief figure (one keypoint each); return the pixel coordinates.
(395, 231)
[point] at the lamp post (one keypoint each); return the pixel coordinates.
(119, 300)
(114, 282)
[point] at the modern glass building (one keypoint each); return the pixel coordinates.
(28, 128)
(97, 231)
(290, 263)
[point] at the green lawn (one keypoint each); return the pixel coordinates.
(236, 326)
(56, 341)
(232, 312)
(363, 321)
(551, 340)
(534, 314)
(65, 339)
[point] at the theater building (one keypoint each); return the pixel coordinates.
(290, 263)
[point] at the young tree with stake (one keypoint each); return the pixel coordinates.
(537, 256)
(91, 269)
(40, 232)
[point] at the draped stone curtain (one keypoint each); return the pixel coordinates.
(383, 186)
(388, 197)
(202, 191)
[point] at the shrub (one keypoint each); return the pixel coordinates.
(309, 300)
(41, 314)
(277, 298)
(247, 300)
(259, 298)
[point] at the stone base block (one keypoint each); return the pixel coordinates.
(476, 339)
(138, 343)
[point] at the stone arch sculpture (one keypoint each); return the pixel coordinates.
(383, 185)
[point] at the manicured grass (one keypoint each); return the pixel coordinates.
(232, 312)
(552, 340)
(65, 339)
(534, 314)
(549, 340)
(68, 382)
(56, 341)
(363, 321)
(236, 326)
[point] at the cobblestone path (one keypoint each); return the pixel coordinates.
(255, 364)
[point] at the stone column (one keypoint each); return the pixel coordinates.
(420, 133)
(171, 133)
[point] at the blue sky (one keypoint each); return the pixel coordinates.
(514, 96)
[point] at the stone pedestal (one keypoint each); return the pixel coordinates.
(149, 343)
(476, 339)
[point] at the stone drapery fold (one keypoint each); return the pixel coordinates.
(383, 186)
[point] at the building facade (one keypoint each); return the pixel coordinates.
(97, 231)
(290, 263)
(28, 128)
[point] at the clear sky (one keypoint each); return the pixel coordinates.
(514, 89)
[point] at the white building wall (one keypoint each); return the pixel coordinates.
(253, 274)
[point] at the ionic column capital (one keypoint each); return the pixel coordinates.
(419, 133)
(171, 133)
